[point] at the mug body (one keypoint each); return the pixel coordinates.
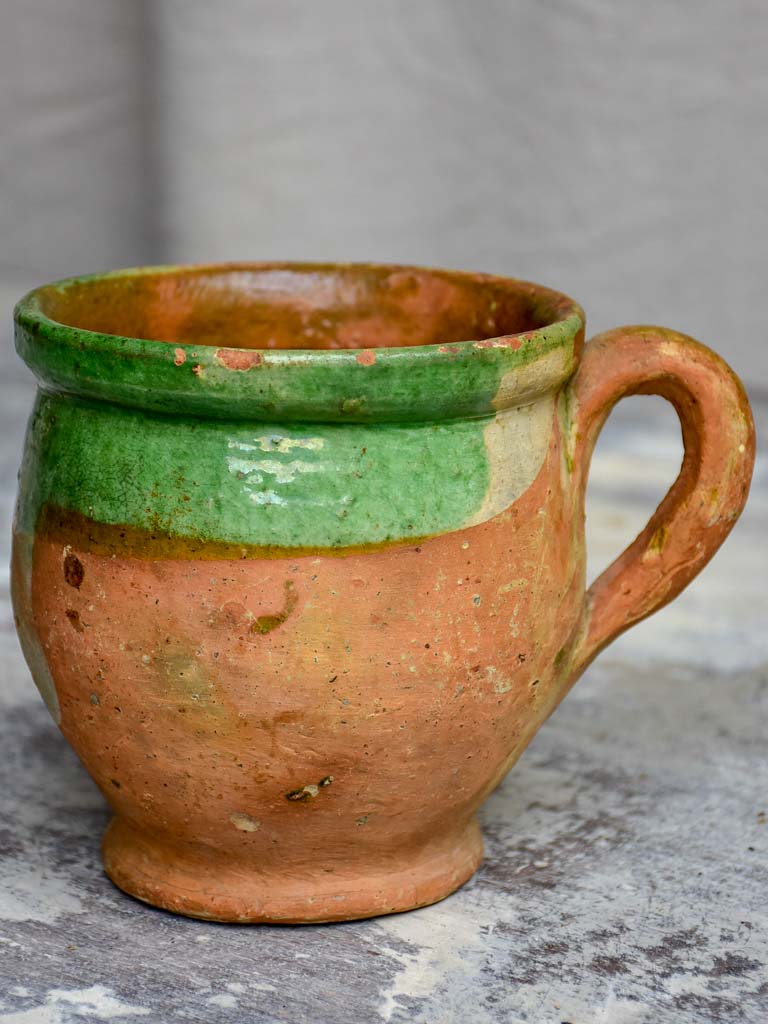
(297, 568)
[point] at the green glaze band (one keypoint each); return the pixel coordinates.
(243, 483)
(255, 484)
(410, 384)
(283, 449)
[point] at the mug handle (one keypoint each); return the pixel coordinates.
(704, 502)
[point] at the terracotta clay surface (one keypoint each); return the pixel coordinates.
(303, 716)
(297, 653)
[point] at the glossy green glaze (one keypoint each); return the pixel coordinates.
(395, 384)
(282, 448)
(245, 483)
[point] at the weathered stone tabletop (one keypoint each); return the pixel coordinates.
(626, 878)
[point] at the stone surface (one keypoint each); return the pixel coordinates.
(627, 853)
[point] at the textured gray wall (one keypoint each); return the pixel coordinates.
(613, 149)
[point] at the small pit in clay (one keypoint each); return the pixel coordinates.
(74, 573)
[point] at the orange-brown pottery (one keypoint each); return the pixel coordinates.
(299, 560)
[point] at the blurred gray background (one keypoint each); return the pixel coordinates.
(612, 149)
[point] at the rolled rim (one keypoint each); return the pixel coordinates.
(378, 381)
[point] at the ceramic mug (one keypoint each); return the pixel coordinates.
(299, 569)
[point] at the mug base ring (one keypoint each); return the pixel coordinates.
(187, 881)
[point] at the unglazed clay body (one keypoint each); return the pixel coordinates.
(299, 570)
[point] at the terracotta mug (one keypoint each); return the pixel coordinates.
(299, 570)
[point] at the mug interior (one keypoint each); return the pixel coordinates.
(302, 306)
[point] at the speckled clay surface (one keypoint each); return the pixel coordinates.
(300, 572)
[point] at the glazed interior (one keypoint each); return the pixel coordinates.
(302, 306)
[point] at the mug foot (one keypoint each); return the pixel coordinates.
(197, 883)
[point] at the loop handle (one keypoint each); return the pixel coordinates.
(705, 500)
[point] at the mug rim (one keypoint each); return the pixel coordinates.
(432, 381)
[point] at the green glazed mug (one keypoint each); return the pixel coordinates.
(299, 560)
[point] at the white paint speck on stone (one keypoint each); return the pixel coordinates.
(448, 942)
(35, 1015)
(623, 1011)
(96, 1003)
(35, 892)
(223, 999)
